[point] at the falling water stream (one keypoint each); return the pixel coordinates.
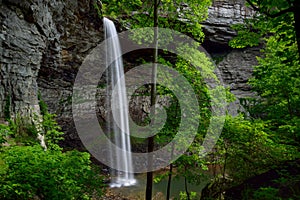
(119, 133)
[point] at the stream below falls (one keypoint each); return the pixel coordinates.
(137, 191)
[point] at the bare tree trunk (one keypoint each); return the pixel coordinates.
(169, 181)
(225, 160)
(171, 165)
(186, 188)
(149, 184)
(170, 175)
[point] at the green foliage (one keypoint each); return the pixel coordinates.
(267, 193)
(183, 196)
(42, 104)
(270, 8)
(181, 15)
(245, 38)
(98, 10)
(5, 132)
(251, 149)
(24, 132)
(264, 23)
(289, 131)
(29, 172)
(191, 165)
(246, 147)
(276, 78)
(50, 128)
(52, 131)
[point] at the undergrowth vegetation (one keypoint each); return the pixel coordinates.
(28, 171)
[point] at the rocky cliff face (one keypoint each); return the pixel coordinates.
(221, 15)
(26, 32)
(235, 65)
(43, 43)
(235, 69)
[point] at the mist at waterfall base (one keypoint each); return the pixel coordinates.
(119, 135)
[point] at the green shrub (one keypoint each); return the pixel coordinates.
(5, 131)
(23, 130)
(52, 131)
(29, 172)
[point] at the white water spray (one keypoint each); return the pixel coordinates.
(120, 135)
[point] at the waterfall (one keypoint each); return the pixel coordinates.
(119, 134)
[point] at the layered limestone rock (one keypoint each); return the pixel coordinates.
(26, 31)
(235, 65)
(221, 16)
(80, 31)
(235, 69)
